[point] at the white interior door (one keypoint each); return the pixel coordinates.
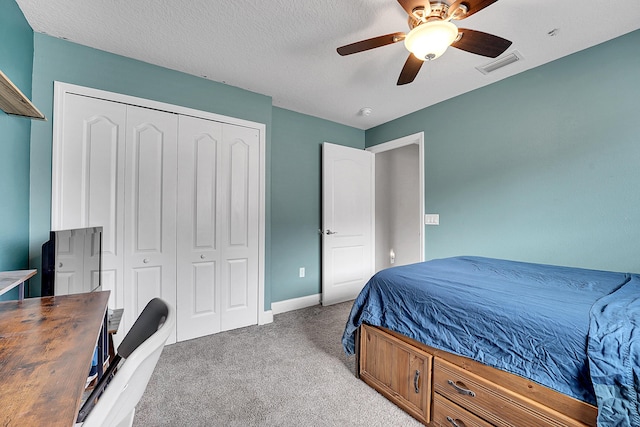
(150, 215)
(347, 220)
(239, 226)
(218, 218)
(198, 262)
(88, 179)
(115, 165)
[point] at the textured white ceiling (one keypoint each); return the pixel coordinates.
(287, 49)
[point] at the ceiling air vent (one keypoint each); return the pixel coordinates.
(515, 56)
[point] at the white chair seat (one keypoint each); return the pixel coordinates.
(113, 401)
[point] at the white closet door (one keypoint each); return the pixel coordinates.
(88, 179)
(150, 215)
(193, 216)
(217, 227)
(239, 175)
(198, 259)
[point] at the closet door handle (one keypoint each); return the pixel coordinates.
(145, 261)
(461, 388)
(416, 382)
(329, 232)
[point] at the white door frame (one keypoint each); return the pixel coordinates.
(416, 138)
(60, 89)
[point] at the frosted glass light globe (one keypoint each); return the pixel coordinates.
(430, 40)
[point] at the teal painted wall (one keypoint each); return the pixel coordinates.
(541, 167)
(296, 199)
(16, 60)
(59, 60)
(293, 156)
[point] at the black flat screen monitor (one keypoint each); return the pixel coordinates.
(72, 261)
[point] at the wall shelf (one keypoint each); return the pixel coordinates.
(13, 101)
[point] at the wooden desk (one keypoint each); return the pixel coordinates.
(46, 348)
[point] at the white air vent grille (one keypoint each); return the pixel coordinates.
(515, 56)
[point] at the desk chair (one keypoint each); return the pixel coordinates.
(114, 399)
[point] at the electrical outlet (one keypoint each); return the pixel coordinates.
(302, 272)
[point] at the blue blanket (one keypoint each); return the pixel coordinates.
(614, 355)
(533, 320)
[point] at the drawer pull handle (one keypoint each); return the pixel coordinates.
(455, 423)
(416, 382)
(461, 390)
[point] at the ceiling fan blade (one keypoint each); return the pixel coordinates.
(410, 70)
(473, 6)
(372, 43)
(481, 43)
(409, 5)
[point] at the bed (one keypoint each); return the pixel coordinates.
(560, 340)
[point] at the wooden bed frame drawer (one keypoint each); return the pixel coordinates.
(492, 402)
(400, 372)
(448, 414)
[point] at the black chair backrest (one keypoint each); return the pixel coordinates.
(149, 321)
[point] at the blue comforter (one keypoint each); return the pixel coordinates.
(533, 320)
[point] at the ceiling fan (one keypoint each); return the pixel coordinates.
(432, 32)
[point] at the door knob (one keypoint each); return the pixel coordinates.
(329, 232)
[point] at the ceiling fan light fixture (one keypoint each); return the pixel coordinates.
(430, 40)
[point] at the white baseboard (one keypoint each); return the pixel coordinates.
(294, 304)
(265, 317)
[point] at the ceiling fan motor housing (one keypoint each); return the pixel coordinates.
(422, 14)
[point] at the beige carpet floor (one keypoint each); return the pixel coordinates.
(292, 372)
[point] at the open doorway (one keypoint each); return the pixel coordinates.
(399, 206)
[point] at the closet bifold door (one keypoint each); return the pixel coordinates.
(150, 210)
(217, 257)
(239, 193)
(178, 196)
(198, 253)
(88, 179)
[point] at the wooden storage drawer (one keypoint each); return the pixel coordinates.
(448, 414)
(492, 402)
(398, 371)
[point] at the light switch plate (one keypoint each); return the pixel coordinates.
(432, 219)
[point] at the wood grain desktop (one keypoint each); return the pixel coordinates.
(46, 348)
